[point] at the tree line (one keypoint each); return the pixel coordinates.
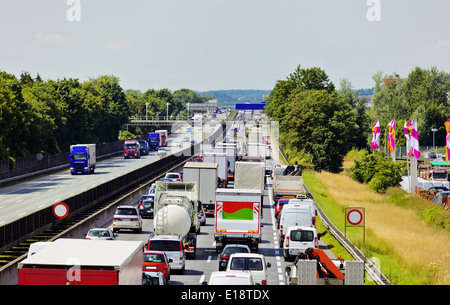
(47, 116)
(319, 124)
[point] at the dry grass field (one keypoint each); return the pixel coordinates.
(403, 241)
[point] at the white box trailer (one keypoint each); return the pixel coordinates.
(205, 174)
(250, 175)
(255, 152)
(222, 168)
(238, 218)
(68, 261)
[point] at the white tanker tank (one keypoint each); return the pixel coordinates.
(174, 215)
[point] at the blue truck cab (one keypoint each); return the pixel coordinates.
(154, 141)
(82, 158)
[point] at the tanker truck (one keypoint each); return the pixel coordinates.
(176, 213)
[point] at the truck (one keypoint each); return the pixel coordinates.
(82, 158)
(222, 169)
(288, 187)
(205, 175)
(237, 218)
(250, 175)
(255, 152)
(176, 212)
(314, 267)
(154, 141)
(131, 149)
(68, 261)
(230, 149)
(163, 137)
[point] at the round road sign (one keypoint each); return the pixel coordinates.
(60, 210)
(354, 217)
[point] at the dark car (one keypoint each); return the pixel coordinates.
(145, 205)
(279, 206)
(227, 251)
(143, 147)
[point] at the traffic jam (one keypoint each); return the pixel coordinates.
(231, 216)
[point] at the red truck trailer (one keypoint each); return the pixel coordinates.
(84, 262)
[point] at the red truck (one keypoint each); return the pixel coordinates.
(84, 262)
(131, 149)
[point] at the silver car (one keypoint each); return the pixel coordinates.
(100, 234)
(127, 217)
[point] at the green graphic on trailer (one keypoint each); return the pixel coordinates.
(234, 210)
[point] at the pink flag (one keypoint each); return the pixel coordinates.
(376, 136)
(414, 140)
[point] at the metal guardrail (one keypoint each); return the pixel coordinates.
(370, 268)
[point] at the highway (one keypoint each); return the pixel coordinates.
(25, 198)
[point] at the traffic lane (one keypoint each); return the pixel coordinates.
(25, 198)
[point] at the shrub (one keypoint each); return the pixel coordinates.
(377, 170)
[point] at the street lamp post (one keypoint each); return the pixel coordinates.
(167, 110)
(434, 131)
(146, 110)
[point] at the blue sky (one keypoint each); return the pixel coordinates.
(221, 44)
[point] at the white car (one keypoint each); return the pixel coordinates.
(100, 234)
(127, 217)
(172, 246)
(253, 262)
(176, 177)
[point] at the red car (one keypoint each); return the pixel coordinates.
(157, 261)
(279, 206)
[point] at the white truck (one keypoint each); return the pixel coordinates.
(238, 218)
(255, 152)
(205, 175)
(250, 175)
(231, 150)
(222, 169)
(287, 187)
(176, 212)
(68, 261)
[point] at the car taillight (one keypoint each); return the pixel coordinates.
(134, 219)
(88, 238)
(224, 256)
(264, 282)
(116, 218)
(316, 243)
(287, 242)
(281, 229)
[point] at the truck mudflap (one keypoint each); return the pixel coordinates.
(190, 246)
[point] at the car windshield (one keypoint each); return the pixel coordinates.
(130, 145)
(98, 233)
(126, 211)
(244, 263)
(154, 258)
(302, 235)
(165, 245)
(77, 157)
(172, 176)
(231, 250)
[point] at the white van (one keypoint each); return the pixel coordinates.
(294, 215)
(173, 247)
(253, 262)
(298, 239)
(230, 278)
(309, 202)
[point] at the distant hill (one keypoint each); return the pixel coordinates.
(233, 96)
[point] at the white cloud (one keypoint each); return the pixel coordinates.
(117, 45)
(441, 44)
(52, 39)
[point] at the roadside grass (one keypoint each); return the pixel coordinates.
(406, 237)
